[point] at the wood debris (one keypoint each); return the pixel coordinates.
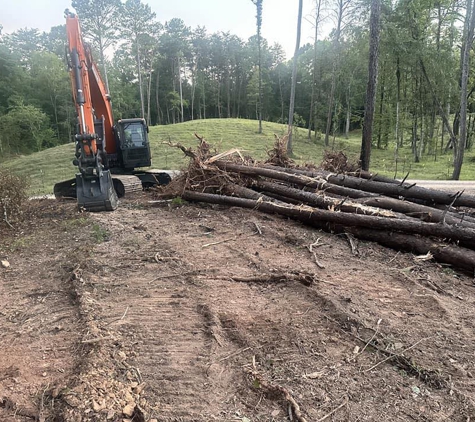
(432, 223)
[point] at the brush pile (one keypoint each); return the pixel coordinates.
(435, 224)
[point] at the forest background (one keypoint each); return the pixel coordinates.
(169, 72)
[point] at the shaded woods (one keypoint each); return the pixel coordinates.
(170, 72)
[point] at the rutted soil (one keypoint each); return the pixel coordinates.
(204, 313)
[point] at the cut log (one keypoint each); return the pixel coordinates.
(458, 257)
(376, 177)
(389, 189)
(309, 214)
(324, 173)
(322, 201)
(423, 212)
(449, 254)
(243, 192)
(303, 181)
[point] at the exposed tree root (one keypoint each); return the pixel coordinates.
(279, 391)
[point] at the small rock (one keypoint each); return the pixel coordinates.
(398, 346)
(122, 355)
(44, 374)
(110, 415)
(153, 420)
(139, 388)
(416, 390)
(129, 409)
(96, 406)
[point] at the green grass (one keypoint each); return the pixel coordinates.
(50, 166)
(99, 233)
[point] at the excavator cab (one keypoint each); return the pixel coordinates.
(133, 142)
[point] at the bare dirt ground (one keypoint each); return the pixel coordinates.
(189, 312)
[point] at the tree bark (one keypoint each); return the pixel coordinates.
(294, 80)
(311, 118)
(308, 214)
(258, 4)
(372, 83)
(139, 69)
(181, 90)
(459, 147)
(369, 187)
(324, 201)
(449, 254)
(304, 181)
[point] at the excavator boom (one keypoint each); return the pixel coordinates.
(95, 138)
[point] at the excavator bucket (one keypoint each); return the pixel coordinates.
(96, 193)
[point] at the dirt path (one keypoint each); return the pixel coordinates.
(204, 313)
(468, 186)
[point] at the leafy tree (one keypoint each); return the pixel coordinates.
(25, 128)
(137, 21)
(294, 78)
(372, 81)
(176, 48)
(23, 43)
(459, 147)
(51, 85)
(258, 4)
(99, 24)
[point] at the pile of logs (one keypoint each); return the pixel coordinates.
(391, 212)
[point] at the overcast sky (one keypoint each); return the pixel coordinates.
(236, 16)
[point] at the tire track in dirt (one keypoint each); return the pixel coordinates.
(167, 329)
(39, 318)
(163, 287)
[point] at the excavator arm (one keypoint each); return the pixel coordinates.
(95, 138)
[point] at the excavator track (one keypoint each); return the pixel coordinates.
(125, 185)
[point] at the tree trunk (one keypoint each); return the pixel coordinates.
(458, 257)
(311, 118)
(259, 46)
(459, 147)
(139, 68)
(103, 61)
(181, 90)
(372, 82)
(294, 79)
(159, 120)
(309, 214)
(364, 186)
(149, 95)
(443, 115)
(193, 90)
(348, 112)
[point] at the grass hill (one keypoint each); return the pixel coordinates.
(47, 167)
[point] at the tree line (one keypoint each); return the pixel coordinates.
(169, 72)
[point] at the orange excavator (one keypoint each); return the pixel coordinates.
(107, 154)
